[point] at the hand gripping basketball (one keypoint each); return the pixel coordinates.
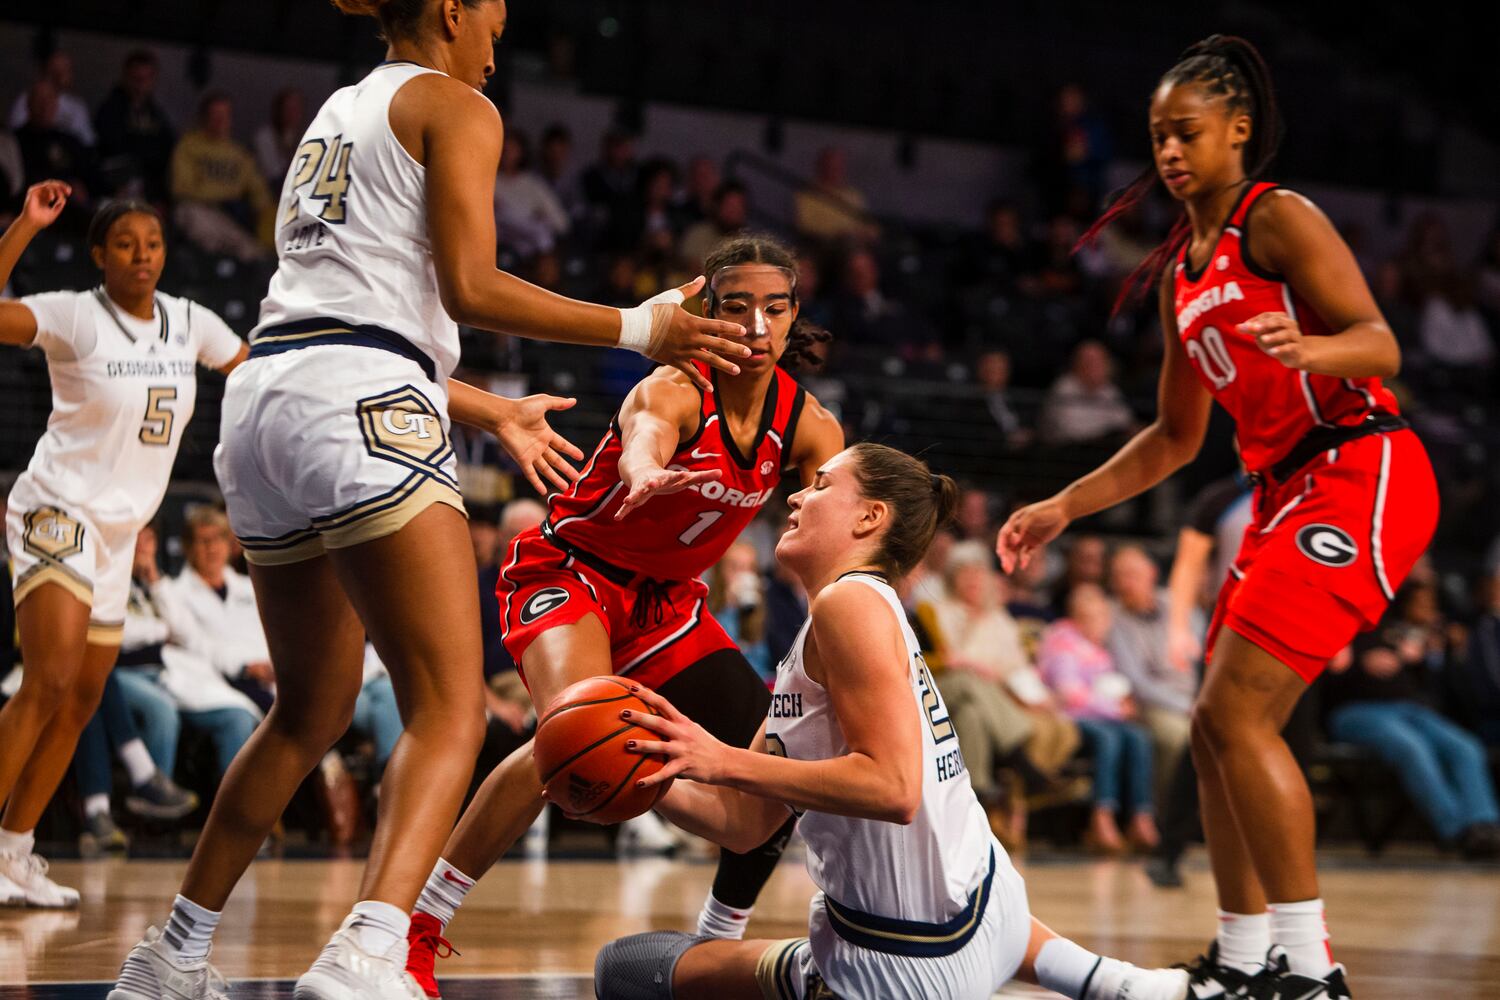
(691, 751)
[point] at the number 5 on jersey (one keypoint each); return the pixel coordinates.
(156, 425)
(324, 163)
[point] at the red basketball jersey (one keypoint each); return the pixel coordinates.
(679, 535)
(1273, 406)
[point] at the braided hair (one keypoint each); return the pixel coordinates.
(758, 248)
(1226, 67)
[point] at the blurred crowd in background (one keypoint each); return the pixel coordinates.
(991, 351)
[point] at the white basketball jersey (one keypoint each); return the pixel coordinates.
(351, 233)
(122, 391)
(924, 871)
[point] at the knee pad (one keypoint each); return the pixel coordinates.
(639, 967)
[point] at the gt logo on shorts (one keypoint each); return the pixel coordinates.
(1325, 544)
(52, 534)
(544, 600)
(403, 426)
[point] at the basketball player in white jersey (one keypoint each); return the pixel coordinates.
(918, 899)
(339, 477)
(123, 361)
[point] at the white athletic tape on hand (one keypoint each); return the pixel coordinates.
(643, 327)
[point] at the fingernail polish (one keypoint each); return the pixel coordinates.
(625, 714)
(630, 744)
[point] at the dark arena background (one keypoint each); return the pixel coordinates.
(933, 166)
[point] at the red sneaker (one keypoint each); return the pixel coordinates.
(425, 944)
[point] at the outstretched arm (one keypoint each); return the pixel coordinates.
(44, 203)
(456, 133)
(522, 429)
(1166, 445)
(659, 414)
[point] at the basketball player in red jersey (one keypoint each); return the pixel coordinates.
(1265, 310)
(609, 582)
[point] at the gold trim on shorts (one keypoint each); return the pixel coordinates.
(379, 518)
(298, 546)
(777, 970)
(53, 572)
(105, 633)
(364, 522)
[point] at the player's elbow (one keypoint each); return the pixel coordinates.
(902, 800)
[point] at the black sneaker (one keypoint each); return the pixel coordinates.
(1163, 872)
(1208, 979)
(1280, 983)
(101, 836)
(161, 798)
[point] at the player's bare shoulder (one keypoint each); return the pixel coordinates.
(820, 434)
(666, 393)
(435, 102)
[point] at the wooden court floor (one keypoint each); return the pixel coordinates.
(531, 928)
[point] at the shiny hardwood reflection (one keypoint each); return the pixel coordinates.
(1421, 931)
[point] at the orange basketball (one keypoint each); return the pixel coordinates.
(580, 752)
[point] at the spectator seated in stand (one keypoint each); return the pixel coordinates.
(223, 204)
(830, 208)
(1084, 406)
(136, 137)
(50, 152)
(222, 604)
(737, 599)
(114, 732)
(276, 141)
(1477, 676)
(529, 216)
(1078, 668)
(731, 213)
(72, 115)
(1379, 699)
(1138, 642)
(1004, 715)
(166, 656)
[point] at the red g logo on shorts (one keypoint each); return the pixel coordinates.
(1326, 545)
(544, 600)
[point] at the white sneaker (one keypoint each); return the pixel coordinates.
(345, 971)
(10, 893)
(1127, 982)
(29, 872)
(646, 834)
(150, 973)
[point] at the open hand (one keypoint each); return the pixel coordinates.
(691, 751)
(678, 338)
(526, 436)
(1027, 530)
(661, 482)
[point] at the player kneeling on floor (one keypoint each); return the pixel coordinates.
(916, 896)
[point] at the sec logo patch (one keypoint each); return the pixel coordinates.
(1327, 545)
(544, 600)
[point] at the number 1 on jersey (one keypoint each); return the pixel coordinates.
(705, 521)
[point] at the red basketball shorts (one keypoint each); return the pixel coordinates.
(655, 630)
(1327, 549)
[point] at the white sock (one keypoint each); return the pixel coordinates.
(380, 928)
(137, 761)
(1065, 967)
(727, 923)
(1244, 939)
(444, 892)
(17, 843)
(97, 804)
(189, 932)
(1302, 930)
